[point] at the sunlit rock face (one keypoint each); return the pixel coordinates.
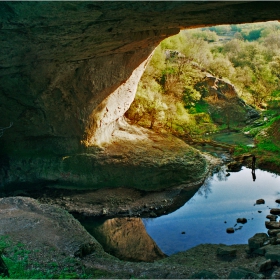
(69, 70)
(223, 99)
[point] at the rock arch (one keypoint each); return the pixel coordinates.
(69, 70)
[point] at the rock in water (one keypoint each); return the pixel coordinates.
(272, 225)
(260, 201)
(241, 220)
(275, 211)
(272, 218)
(230, 230)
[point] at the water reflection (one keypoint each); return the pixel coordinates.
(216, 206)
(125, 238)
(254, 175)
(205, 190)
(204, 218)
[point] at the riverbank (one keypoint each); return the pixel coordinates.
(55, 245)
(118, 202)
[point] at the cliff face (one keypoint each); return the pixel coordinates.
(225, 106)
(69, 70)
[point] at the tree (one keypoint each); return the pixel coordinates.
(190, 96)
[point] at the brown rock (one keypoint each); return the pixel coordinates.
(272, 225)
(67, 80)
(260, 201)
(275, 211)
(271, 217)
(273, 232)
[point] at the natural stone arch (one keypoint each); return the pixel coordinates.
(62, 63)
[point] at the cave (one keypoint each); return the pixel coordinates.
(68, 73)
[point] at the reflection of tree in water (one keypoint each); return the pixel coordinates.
(205, 189)
(222, 174)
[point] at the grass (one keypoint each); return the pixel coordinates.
(267, 149)
(19, 265)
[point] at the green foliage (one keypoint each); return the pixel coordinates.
(190, 96)
(169, 94)
(200, 107)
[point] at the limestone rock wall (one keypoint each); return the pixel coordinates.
(60, 60)
(67, 67)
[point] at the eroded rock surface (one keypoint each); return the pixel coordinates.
(136, 158)
(69, 71)
(51, 235)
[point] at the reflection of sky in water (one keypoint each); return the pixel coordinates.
(220, 199)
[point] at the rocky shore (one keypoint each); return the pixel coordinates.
(51, 235)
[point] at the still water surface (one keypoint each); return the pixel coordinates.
(221, 199)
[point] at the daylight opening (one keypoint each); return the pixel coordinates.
(213, 79)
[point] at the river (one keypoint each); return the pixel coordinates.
(216, 206)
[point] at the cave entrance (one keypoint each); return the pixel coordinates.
(209, 80)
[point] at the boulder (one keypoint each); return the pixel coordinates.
(277, 200)
(24, 219)
(272, 225)
(244, 273)
(257, 240)
(265, 265)
(275, 211)
(260, 201)
(260, 251)
(273, 253)
(272, 218)
(252, 114)
(273, 232)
